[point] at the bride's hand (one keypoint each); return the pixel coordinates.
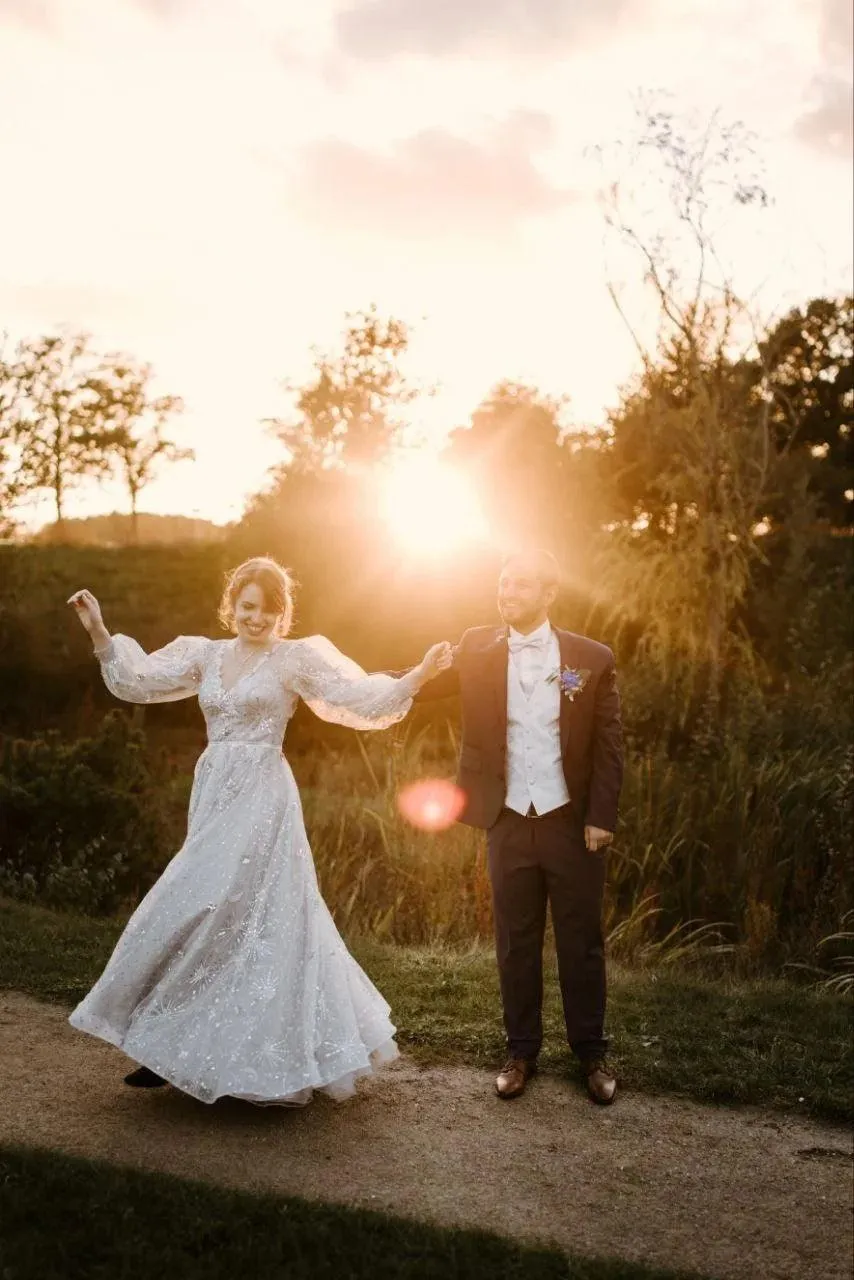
(89, 612)
(438, 658)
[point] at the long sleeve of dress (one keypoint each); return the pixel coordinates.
(338, 690)
(166, 675)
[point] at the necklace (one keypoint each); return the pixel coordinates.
(263, 650)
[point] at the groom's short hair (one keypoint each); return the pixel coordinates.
(547, 568)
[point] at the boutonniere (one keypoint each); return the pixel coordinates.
(571, 680)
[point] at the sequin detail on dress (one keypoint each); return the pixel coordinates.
(230, 977)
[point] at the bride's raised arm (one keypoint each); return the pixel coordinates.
(165, 675)
(340, 691)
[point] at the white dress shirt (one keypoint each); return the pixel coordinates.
(529, 654)
(535, 774)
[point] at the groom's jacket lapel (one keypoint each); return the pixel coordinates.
(495, 659)
(568, 658)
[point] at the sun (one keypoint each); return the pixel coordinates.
(430, 509)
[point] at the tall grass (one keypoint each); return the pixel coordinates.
(735, 856)
(741, 855)
(757, 843)
(380, 875)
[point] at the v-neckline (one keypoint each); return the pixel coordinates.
(229, 689)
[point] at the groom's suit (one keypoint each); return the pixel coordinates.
(535, 767)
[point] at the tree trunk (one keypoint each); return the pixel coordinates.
(57, 502)
(57, 484)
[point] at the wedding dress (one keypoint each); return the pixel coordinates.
(231, 977)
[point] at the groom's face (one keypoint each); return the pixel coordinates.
(524, 599)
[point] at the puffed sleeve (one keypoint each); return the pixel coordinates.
(166, 675)
(338, 690)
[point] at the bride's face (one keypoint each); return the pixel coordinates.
(255, 623)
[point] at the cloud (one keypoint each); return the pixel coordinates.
(433, 184)
(29, 13)
(46, 15)
(827, 124)
(164, 9)
(437, 28)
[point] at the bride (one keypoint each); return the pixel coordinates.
(231, 977)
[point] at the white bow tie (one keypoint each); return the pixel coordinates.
(517, 643)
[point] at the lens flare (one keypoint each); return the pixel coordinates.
(434, 804)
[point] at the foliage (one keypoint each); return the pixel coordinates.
(54, 399)
(319, 510)
(690, 463)
(808, 360)
(13, 483)
(348, 413)
(80, 822)
(745, 854)
(118, 529)
(47, 674)
(138, 420)
(528, 470)
(381, 877)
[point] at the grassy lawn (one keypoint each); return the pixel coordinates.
(767, 1043)
(99, 1222)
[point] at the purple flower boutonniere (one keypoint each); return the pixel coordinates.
(571, 680)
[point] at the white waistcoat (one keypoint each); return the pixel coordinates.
(534, 763)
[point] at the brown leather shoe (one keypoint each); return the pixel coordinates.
(601, 1083)
(513, 1077)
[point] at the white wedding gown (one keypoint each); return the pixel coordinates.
(231, 977)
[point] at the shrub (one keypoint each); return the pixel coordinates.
(80, 822)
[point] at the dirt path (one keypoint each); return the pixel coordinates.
(733, 1194)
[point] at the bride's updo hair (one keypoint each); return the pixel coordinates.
(276, 585)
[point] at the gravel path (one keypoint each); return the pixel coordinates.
(734, 1194)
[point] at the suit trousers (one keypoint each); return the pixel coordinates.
(534, 861)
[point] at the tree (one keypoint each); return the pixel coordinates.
(319, 509)
(808, 360)
(525, 465)
(137, 422)
(56, 415)
(691, 461)
(67, 414)
(12, 479)
(347, 414)
(10, 491)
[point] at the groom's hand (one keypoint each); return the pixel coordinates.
(597, 837)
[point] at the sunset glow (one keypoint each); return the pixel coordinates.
(430, 509)
(266, 189)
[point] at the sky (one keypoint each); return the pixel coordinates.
(210, 185)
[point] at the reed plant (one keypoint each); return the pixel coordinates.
(740, 857)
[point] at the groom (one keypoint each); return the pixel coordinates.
(541, 766)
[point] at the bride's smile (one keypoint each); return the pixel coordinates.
(257, 620)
